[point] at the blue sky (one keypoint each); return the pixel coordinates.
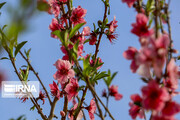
(46, 50)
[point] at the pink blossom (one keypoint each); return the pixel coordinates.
(129, 2)
(134, 66)
(2, 77)
(144, 70)
(170, 84)
(172, 71)
(66, 57)
(55, 26)
(104, 93)
(113, 91)
(92, 109)
(62, 113)
(162, 41)
(77, 15)
(55, 90)
(64, 71)
(71, 113)
(86, 31)
(130, 53)
(93, 38)
(113, 25)
(24, 99)
(161, 117)
(63, 49)
(136, 109)
(55, 7)
(42, 96)
(151, 55)
(111, 36)
(77, 37)
(72, 88)
(171, 108)
(91, 61)
(63, 19)
(140, 28)
(63, 1)
(154, 97)
(99, 61)
(80, 50)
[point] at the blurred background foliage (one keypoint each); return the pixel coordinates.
(19, 16)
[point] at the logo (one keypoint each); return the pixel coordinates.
(14, 89)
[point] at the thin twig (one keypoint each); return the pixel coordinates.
(51, 115)
(87, 105)
(101, 33)
(63, 11)
(84, 116)
(98, 106)
(36, 74)
(65, 109)
(81, 102)
(107, 102)
(37, 107)
(69, 11)
(156, 18)
(169, 31)
(93, 92)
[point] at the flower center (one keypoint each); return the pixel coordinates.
(64, 71)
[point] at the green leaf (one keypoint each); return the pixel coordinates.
(13, 42)
(62, 35)
(22, 117)
(75, 29)
(94, 26)
(86, 41)
(81, 88)
(144, 80)
(114, 74)
(32, 108)
(42, 6)
(75, 47)
(100, 75)
(26, 74)
(150, 20)
(4, 58)
(4, 27)
(109, 10)
(24, 66)
(109, 79)
(27, 53)
(86, 63)
(2, 4)
(19, 46)
(58, 34)
(106, 21)
(149, 6)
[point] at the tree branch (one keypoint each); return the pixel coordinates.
(36, 74)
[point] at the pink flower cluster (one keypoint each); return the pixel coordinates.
(149, 62)
(112, 91)
(65, 76)
(93, 62)
(154, 98)
(78, 15)
(111, 30)
(151, 55)
(129, 2)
